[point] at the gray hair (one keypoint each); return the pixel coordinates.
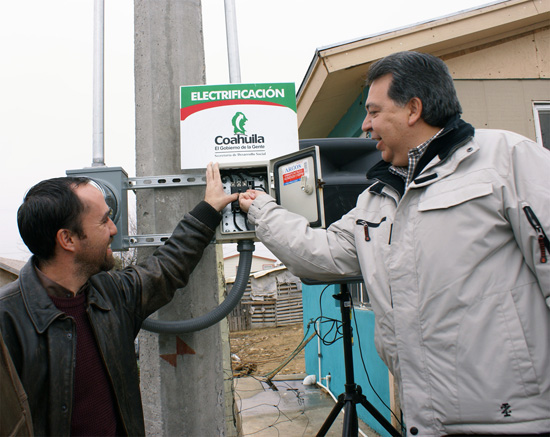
(420, 75)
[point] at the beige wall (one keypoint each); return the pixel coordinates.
(525, 56)
(502, 104)
(497, 82)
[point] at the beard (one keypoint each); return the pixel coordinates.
(108, 263)
(94, 260)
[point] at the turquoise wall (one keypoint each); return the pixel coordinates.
(317, 303)
(349, 125)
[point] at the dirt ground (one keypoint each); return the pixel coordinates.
(260, 351)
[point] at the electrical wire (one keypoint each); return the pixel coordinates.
(281, 417)
(335, 325)
(365, 367)
(338, 334)
(235, 221)
(304, 338)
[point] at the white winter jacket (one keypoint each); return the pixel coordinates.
(457, 278)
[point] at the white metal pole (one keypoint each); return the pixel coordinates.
(232, 42)
(98, 87)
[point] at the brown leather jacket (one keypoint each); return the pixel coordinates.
(42, 341)
(15, 414)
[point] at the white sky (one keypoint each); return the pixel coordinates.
(46, 74)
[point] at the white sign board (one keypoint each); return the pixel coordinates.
(238, 123)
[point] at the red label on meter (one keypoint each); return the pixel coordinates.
(293, 176)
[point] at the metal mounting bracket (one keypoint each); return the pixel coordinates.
(170, 181)
(182, 180)
(147, 240)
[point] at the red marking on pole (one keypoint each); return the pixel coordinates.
(171, 358)
(182, 348)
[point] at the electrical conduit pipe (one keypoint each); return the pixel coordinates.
(245, 248)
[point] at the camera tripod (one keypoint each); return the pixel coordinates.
(353, 394)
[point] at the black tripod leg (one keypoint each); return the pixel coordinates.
(351, 425)
(331, 417)
(381, 419)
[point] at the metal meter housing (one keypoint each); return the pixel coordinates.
(113, 183)
(237, 178)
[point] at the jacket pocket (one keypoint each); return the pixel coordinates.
(453, 196)
(366, 225)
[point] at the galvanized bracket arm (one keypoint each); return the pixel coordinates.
(170, 181)
(147, 240)
(182, 180)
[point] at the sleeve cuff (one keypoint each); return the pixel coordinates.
(208, 215)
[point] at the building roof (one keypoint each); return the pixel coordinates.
(260, 251)
(258, 274)
(336, 75)
(236, 255)
(11, 265)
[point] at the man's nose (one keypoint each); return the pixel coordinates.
(366, 126)
(114, 230)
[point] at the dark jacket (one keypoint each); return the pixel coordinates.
(42, 340)
(15, 414)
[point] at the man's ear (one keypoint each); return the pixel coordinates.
(415, 110)
(66, 239)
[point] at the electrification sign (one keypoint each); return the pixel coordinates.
(237, 123)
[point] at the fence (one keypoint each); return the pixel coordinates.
(268, 311)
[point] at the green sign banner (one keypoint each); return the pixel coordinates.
(237, 122)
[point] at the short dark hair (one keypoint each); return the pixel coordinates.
(47, 207)
(420, 75)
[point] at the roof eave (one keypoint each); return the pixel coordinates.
(337, 73)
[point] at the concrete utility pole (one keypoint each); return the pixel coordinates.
(186, 380)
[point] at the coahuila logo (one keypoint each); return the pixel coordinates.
(239, 119)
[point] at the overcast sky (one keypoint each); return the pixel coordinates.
(46, 74)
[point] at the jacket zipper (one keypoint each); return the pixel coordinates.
(541, 236)
(366, 225)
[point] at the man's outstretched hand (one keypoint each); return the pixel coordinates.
(215, 195)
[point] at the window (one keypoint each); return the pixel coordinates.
(359, 295)
(541, 113)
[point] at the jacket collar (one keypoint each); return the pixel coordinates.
(381, 172)
(39, 306)
(455, 134)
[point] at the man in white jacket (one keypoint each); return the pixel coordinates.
(451, 240)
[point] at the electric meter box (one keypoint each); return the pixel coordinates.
(320, 182)
(113, 183)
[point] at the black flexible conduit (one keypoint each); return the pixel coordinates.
(245, 248)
